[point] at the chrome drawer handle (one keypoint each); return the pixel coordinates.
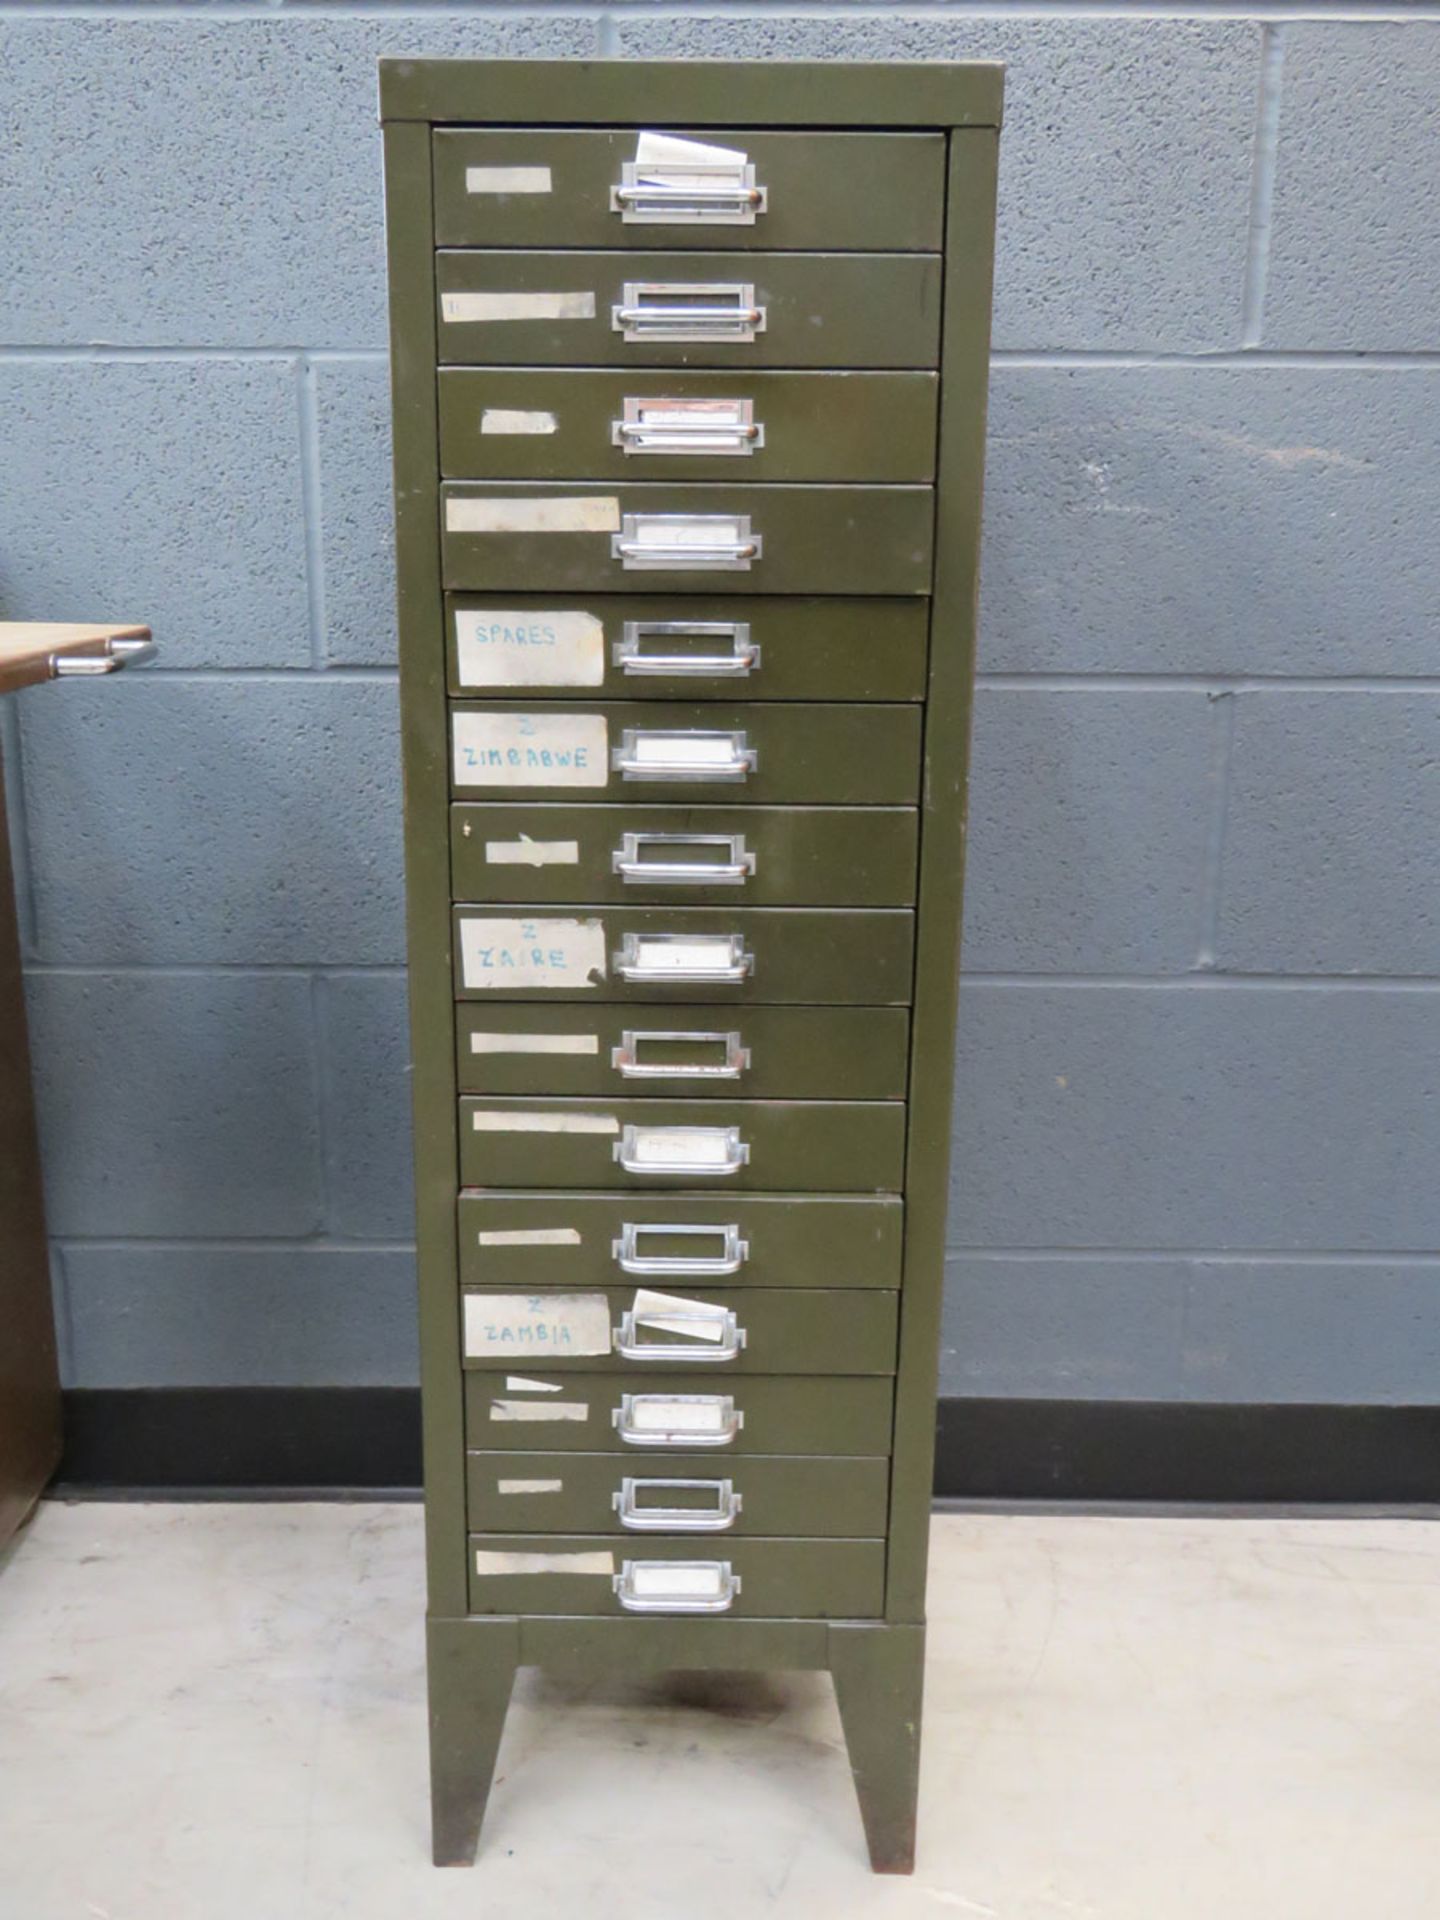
(684, 958)
(733, 1254)
(626, 1057)
(676, 1586)
(742, 659)
(647, 1519)
(685, 543)
(677, 1419)
(118, 653)
(684, 1150)
(682, 1353)
(687, 426)
(735, 871)
(687, 310)
(692, 194)
(683, 753)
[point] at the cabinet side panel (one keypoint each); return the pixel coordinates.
(969, 248)
(422, 707)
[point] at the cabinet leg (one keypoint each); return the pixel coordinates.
(879, 1674)
(471, 1671)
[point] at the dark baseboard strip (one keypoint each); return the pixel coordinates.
(347, 1443)
(1186, 1454)
(247, 1442)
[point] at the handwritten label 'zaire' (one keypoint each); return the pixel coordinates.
(499, 955)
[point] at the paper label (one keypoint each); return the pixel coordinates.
(529, 1486)
(521, 1383)
(534, 1043)
(684, 749)
(559, 1323)
(507, 180)
(506, 1410)
(678, 1146)
(486, 1563)
(486, 1121)
(525, 852)
(510, 420)
(541, 513)
(654, 1579)
(673, 1313)
(683, 956)
(504, 649)
(529, 1237)
(531, 749)
(468, 307)
(508, 954)
(677, 1416)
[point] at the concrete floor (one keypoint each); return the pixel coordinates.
(216, 1713)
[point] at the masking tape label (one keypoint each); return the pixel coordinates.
(500, 648)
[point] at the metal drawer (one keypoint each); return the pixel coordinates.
(695, 647)
(803, 856)
(668, 1239)
(531, 423)
(782, 751)
(671, 1410)
(645, 1493)
(535, 187)
(813, 956)
(654, 538)
(812, 1146)
(575, 1573)
(655, 1329)
(754, 1053)
(574, 309)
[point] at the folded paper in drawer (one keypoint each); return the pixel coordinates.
(673, 1313)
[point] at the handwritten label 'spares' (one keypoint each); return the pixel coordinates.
(505, 1324)
(498, 648)
(530, 749)
(539, 952)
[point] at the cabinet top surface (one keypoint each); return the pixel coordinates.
(800, 93)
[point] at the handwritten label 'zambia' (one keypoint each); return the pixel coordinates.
(530, 750)
(504, 1324)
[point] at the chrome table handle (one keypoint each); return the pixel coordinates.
(742, 659)
(662, 426)
(687, 310)
(676, 1586)
(625, 1251)
(681, 1150)
(655, 753)
(728, 197)
(685, 543)
(735, 871)
(680, 1353)
(626, 1057)
(642, 958)
(677, 1419)
(643, 1519)
(118, 654)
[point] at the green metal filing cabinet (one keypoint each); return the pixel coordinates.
(689, 379)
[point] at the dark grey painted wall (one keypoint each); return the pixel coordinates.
(1199, 1077)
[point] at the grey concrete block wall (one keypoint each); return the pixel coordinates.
(1198, 1091)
